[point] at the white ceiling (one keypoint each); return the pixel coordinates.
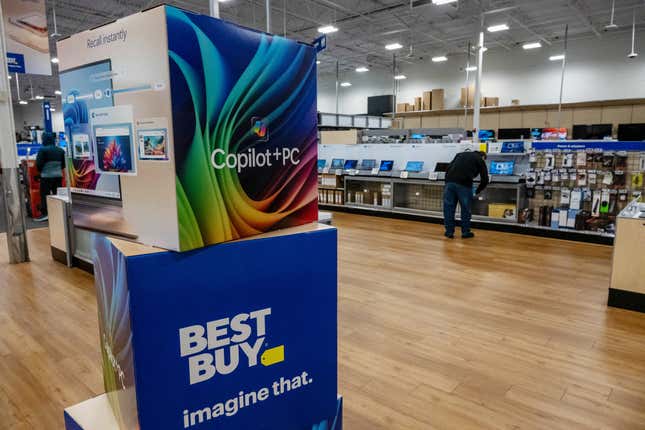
(365, 26)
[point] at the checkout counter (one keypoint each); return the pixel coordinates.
(627, 288)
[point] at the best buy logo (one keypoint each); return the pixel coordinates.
(219, 346)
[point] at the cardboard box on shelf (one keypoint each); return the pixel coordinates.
(401, 107)
(339, 137)
(437, 99)
(418, 103)
(427, 100)
(467, 96)
(409, 107)
(491, 101)
(515, 102)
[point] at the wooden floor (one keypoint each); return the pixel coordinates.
(499, 332)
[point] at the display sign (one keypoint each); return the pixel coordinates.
(47, 116)
(235, 336)
(199, 160)
(25, 23)
(602, 145)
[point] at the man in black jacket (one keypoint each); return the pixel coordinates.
(461, 172)
(49, 162)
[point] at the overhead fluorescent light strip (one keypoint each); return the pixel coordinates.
(532, 45)
(439, 59)
(440, 2)
(393, 46)
(345, 84)
(559, 57)
(327, 29)
(400, 77)
(362, 69)
(496, 28)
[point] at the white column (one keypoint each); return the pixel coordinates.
(478, 86)
(214, 8)
(267, 5)
(11, 191)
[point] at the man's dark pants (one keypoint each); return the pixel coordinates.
(48, 186)
(455, 193)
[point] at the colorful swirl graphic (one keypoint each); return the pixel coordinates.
(82, 173)
(113, 159)
(113, 300)
(259, 94)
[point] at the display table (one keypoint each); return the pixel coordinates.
(627, 289)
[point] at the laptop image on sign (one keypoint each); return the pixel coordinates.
(414, 166)
(441, 167)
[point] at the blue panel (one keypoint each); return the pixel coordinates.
(70, 424)
(293, 275)
(604, 145)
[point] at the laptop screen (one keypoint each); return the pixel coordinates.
(337, 163)
(368, 164)
(414, 166)
(350, 164)
(441, 167)
(502, 167)
(322, 164)
(386, 165)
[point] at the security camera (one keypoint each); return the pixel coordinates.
(632, 55)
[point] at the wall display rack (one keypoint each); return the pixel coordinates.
(545, 206)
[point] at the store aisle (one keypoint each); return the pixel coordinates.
(500, 331)
(504, 331)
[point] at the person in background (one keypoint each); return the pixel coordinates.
(49, 162)
(463, 169)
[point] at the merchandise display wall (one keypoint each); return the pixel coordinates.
(534, 198)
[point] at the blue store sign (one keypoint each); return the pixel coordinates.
(15, 63)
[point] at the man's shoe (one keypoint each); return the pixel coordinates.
(449, 235)
(468, 235)
(42, 218)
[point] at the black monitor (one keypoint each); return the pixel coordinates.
(441, 167)
(592, 132)
(379, 105)
(514, 133)
(631, 132)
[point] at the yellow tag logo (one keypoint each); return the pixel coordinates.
(273, 356)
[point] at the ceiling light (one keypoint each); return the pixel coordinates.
(327, 29)
(556, 57)
(362, 69)
(23, 102)
(39, 97)
(471, 69)
(532, 45)
(55, 60)
(52, 109)
(58, 92)
(439, 59)
(345, 84)
(393, 46)
(400, 77)
(9, 76)
(484, 49)
(498, 27)
(440, 2)
(317, 61)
